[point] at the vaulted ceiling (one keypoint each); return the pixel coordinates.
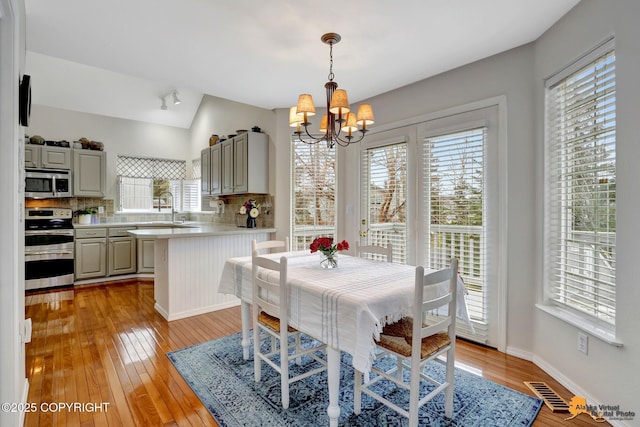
(118, 57)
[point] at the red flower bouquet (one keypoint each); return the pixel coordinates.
(328, 249)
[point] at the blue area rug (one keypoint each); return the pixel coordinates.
(224, 382)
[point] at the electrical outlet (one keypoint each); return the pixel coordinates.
(583, 343)
(100, 209)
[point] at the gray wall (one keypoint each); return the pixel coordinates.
(119, 136)
(608, 374)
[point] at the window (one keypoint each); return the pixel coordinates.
(314, 193)
(454, 198)
(384, 195)
(580, 192)
(147, 184)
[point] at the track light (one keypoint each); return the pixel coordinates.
(173, 94)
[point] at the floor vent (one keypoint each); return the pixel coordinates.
(550, 397)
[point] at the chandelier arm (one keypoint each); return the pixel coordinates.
(311, 139)
(344, 143)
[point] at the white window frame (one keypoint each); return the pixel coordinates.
(568, 287)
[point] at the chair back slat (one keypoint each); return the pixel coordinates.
(283, 245)
(375, 250)
(270, 295)
(436, 278)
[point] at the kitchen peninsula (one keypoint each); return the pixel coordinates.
(189, 262)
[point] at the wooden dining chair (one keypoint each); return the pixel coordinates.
(375, 252)
(396, 341)
(271, 320)
(282, 245)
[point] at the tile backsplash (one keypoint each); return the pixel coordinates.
(221, 210)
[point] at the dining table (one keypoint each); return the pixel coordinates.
(344, 307)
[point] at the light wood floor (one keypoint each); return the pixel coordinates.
(106, 343)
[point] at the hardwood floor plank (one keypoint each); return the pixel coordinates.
(106, 343)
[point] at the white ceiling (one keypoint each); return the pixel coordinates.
(117, 57)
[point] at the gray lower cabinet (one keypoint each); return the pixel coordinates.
(91, 253)
(122, 251)
(146, 250)
(103, 251)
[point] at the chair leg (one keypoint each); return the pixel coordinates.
(284, 373)
(257, 362)
(298, 359)
(414, 393)
(448, 395)
(357, 392)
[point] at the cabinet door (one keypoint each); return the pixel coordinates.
(227, 167)
(216, 170)
(56, 157)
(122, 255)
(32, 156)
(89, 173)
(91, 258)
(205, 166)
(240, 159)
(146, 250)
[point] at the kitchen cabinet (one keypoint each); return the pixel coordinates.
(146, 250)
(236, 166)
(89, 173)
(226, 164)
(91, 253)
(205, 171)
(122, 251)
(210, 162)
(102, 251)
(46, 157)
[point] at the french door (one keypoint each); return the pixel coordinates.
(432, 191)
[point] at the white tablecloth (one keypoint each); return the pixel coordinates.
(346, 307)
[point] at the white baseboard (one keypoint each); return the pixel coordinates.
(517, 352)
(571, 386)
(194, 312)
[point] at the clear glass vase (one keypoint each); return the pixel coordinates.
(329, 261)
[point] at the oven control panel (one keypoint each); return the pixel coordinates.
(48, 213)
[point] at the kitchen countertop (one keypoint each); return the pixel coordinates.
(199, 230)
(168, 229)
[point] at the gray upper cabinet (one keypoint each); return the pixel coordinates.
(236, 166)
(89, 173)
(205, 166)
(215, 170)
(46, 157)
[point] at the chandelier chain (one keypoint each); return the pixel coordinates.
(331, 75)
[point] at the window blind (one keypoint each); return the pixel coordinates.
(384, 193)
(454, 166)
(313, 193)
(580, 193)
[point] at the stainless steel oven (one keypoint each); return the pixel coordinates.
(49, 248)
(47, 183)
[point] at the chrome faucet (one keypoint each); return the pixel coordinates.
(173, 211)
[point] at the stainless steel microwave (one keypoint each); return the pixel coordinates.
(41, 183)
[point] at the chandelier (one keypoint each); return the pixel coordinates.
(339, 125)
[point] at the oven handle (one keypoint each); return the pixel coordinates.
(54, 232)
(62, 252)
